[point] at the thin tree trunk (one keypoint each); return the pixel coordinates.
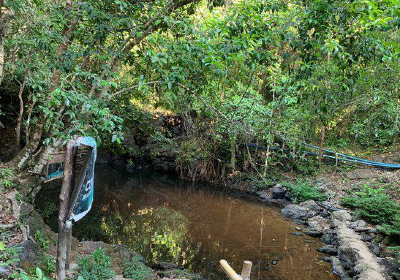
(321, 143)
(233, 155)
(65, 195)
(28, 120)
(21, 113)
(6, 13)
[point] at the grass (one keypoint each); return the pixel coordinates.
(377, 208)
(97, 266)
(135, 269)
(303, 191)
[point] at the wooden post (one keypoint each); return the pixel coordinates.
(229, 270)
(69, 238)
(246, 270)
(63, 232)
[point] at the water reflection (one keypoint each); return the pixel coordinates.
(167, 220)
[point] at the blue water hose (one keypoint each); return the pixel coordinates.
(338, 156)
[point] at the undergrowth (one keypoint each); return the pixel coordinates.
(134, 269)
(96, 266)
(303, 191)
(376, 207)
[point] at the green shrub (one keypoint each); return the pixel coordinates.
(377, 208)
(137, 270)
(97, 266)
(47, 263)
(303, 191)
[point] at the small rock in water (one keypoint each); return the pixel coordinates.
(297, 233)
(314, 233)
(328, 249)
(327, 259)
(274, 262)
(266, 267)
(278, 192)
(328, 238)
(298, 228)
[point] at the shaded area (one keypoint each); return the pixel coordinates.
(195, 226)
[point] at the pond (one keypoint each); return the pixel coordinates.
(193, 225)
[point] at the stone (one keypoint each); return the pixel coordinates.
(262, 194)
(363, 173)
(5, 272)
(328, 238)
(328, 249)
(314, 233)
(327, 259)
(295, 212)
(298, 228)
(358, 224)
(375, 248)
(28, 255)
(342, 215)
(355, 256)
(338, 269)
(365, 237)
(274, 262)
(278, 192)
(297, 233)
(311, 205)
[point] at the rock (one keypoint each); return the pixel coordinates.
(274, 262)
(375, 248)
(5, 272)
(362, 229)
(298, 228)
(327, 259)
(338, 269)
(328, 249)
(28, 255)
(392, 267)
(266, 267)
(314, 233)
(342, 215)
(364, 173)
(357, 224)
(365, 237)
(355, 255)
(262, 194)
(328, 238)
(297, 233)
(278, 192)
(295, 212)
(311, 206)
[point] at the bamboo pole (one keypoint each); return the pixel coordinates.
(63, 234)
(246, 270)
(232, 274)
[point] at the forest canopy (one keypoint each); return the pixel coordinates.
(235, 71)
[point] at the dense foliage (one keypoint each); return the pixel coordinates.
(376, 207)
(237, 72)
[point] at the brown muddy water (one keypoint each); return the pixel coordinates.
(169, 220)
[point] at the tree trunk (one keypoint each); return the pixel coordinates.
(321, 143)
(6, 13)
(65, 195)
(21, 113)
(24, 154)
